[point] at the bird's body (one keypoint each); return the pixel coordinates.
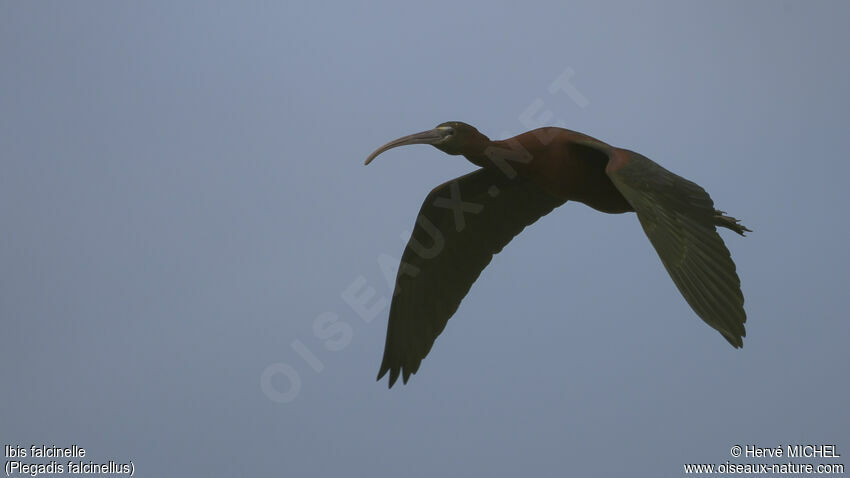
(463, 222)
(565, 168)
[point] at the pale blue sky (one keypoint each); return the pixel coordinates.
(182, 194)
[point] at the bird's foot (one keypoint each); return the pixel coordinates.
(729, 222)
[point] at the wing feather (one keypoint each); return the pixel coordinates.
(430, 285)
(678, 216)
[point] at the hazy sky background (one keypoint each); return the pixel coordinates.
(182, 194)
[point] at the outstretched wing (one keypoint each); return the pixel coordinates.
(461, 224)
(678, 216)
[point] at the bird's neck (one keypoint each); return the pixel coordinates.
(507, 155)
(479, 149)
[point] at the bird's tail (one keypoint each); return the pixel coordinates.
(729, 222)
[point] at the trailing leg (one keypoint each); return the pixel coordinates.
(729, 222)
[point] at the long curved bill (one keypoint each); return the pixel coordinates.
(432, 136)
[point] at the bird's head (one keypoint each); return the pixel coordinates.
(452, 137)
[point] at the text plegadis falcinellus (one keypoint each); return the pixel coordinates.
(463, 222)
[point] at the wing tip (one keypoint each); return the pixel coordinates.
(395, 372)
(393, 376)
(736, 340)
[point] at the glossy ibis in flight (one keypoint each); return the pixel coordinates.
(463, 222)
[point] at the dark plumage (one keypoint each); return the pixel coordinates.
(463, 222)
